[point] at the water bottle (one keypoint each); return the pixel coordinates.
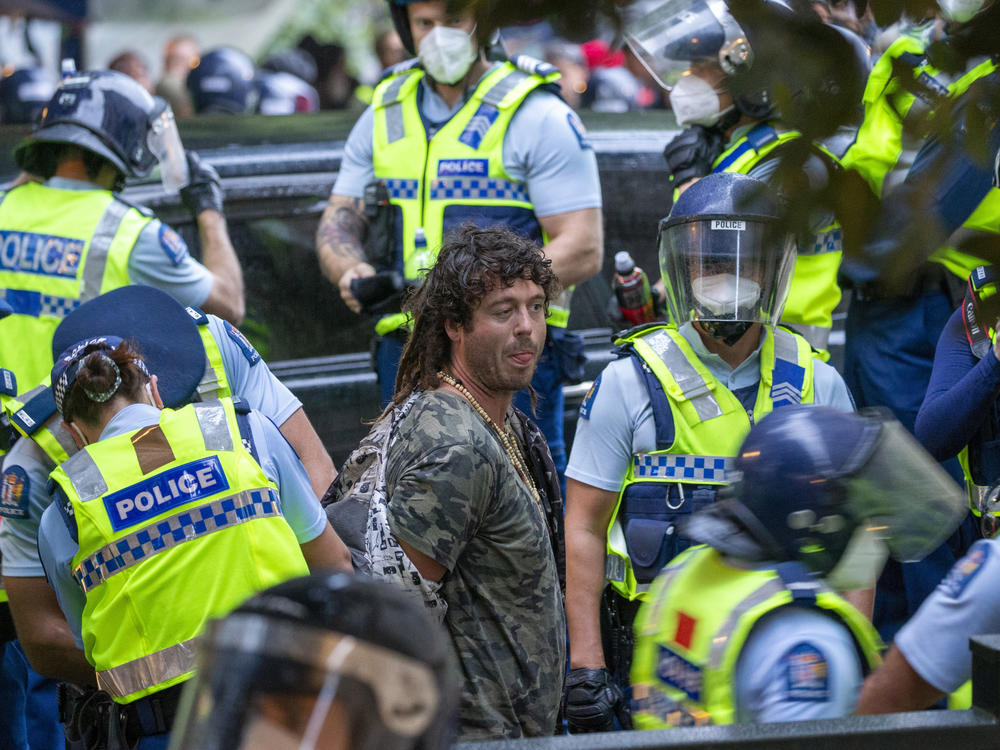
(635, 298)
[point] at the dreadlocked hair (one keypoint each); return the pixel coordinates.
(472, 263)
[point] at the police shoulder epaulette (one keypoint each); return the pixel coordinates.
(241, 406)
(35, 412)
(8, 382)
(400, 67)
(197, 316)
(148, 212)
(534, 67)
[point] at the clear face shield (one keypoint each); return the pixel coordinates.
(266, 684)
(908, 505)
(721, 269)
(671, 36)
(165, 145)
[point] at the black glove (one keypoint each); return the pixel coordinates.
(204, 189)
(691, 153)
(593, 700)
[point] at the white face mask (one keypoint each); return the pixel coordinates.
(447, 53)
(695, 102)
(723, 293)
(961, 11)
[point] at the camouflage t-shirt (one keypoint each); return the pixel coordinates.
(455, 496)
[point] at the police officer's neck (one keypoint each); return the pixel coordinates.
(736, 354)
(73, 168)
(452, 93)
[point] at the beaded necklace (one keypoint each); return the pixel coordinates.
(508, 440)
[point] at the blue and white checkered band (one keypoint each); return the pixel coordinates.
(830, 241)
(682, 468)
(403, 189)
(177, 529)
(478, 188)
(68, 366)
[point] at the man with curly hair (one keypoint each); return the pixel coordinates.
(466, 501)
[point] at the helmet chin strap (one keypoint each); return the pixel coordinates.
(727, 331)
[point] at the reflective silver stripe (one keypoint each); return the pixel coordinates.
(160, 536)
(720, 641)
(149, 671)
(209, 385)
(692, 384)
(817, 336)
(785, 346)
(214, 427)
(395, 128)
(62, 436)
(496, 94)
(86, 478)
(682, 467)
(100, 244)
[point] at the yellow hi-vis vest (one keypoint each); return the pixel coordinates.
(886, 134)
(176, 524)
(665, 486)
(813, 293)
(58, 249)
(690, 632)
(457, 175)
(34, 415)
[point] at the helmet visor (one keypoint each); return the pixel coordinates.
(165, 144)
(718, 268)
(903, 496)
(267, 684)
(670, 36)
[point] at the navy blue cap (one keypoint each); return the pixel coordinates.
(162, 330)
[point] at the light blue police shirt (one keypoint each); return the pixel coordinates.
(545, 147)
(616, 418)
(160, 257)
(299, 504)
(935, 641)
(26, 468)
(797, 664)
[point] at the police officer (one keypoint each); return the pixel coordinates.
(70, 238)
(455, 138)
(704, 57)
(324, 661)
(750, 627)
(198, 356)
(161, 521)
(660, 427)
(223, 82)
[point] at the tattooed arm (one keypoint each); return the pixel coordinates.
(338, 245)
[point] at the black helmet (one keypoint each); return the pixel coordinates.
(24, 94)
(725, 256)
(401, 20)
(326, 653)
(223, 82)
(106, 113)
(835, 491)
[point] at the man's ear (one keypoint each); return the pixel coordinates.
(453, 329)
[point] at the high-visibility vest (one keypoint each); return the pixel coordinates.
(813, 292)
(58, 249)
(176, 523)
(690, 633)
(456, 176)
(709, 424)
(890, 109)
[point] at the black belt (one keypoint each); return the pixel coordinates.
(153, 714)
(930, 278)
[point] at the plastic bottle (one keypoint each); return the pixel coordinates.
(635, 298)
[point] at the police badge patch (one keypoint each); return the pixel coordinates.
(173, 245)
(15, 489)
(252, 355)
(807, 675)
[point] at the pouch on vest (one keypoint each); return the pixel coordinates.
(380, 240)
(568, 349)
(651, 516)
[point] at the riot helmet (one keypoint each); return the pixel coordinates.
(108, 114)
(725, 256)
(401, 21)
(223, 82)
(24, 94)
(835, 491)
(282, 93)
(327, 660)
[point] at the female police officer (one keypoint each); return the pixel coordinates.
(162, 520)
